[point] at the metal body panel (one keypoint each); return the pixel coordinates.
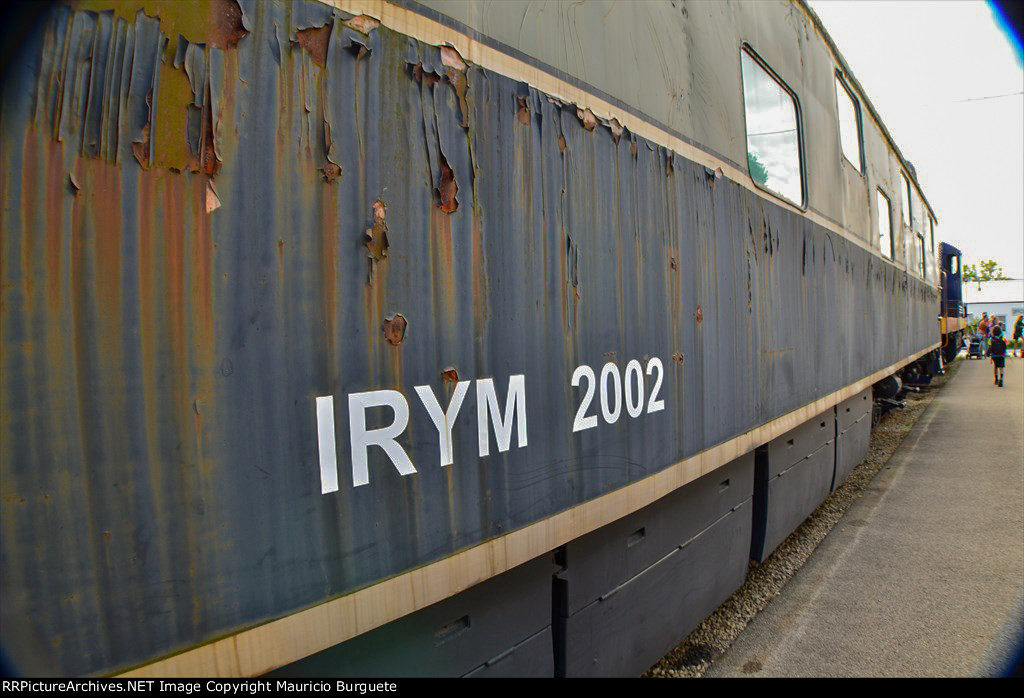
(851, 447)
(793, 475)
(796, 445)
(791, 497)
(531, 658)
(212, 219)
(601, 561)
(850, 411)
(625, 632)
(688, 56)
(497, 626)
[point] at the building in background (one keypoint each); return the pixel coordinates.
(1003, 300)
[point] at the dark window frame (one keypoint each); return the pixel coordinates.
(892, 238)
(803, 203)
(908, 191)
(840, 81)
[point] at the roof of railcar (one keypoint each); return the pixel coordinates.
(908, 168)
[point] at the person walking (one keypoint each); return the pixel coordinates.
(1018, 335)
(997, 352)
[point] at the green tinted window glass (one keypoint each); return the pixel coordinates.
(773, 141)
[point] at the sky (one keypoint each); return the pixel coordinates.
(936, 73)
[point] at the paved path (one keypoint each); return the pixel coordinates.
(924, 575)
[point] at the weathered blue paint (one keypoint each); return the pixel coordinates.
(162, 353)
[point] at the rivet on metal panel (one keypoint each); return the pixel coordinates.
(678, 356)
(450, 375)
(331, 171)
(588, 118)
(394, 328)
(699, 314)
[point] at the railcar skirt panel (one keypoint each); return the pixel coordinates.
(292, 303)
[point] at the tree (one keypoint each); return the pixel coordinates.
(985, 270)
(758, 172)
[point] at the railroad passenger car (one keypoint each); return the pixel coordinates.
(455, 338)
(953, 313)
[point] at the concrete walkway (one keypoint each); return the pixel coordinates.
(924, 575)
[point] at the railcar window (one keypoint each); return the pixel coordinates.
(849, 125)
(908, 197)
(920, 254)
(773, 138)
(884, 225)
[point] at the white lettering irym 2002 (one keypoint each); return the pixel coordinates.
(616, 390)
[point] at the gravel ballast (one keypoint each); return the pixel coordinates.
(694, 656)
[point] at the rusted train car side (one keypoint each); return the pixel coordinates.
(381, 337)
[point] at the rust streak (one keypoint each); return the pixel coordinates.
(616, 128)
(447, 188)
(375, 238)
(54, 227)
(524, 111)
(104, 183)
(226, 27)
(316, 41)
(451, 58)
(202, 262)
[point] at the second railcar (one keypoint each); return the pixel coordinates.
(455, 338)
(952, 312)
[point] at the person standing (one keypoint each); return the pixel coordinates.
(984, 327)
(1018, 334)
(997, 352)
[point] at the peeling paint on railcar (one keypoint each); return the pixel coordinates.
(184, 270)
